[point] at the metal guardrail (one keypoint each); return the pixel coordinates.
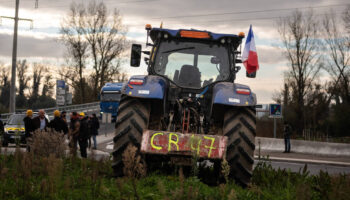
(87, 107)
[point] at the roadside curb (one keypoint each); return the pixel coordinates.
(306, 161)
(302, 146)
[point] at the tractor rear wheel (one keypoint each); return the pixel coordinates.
(239, 126)
(133, 119)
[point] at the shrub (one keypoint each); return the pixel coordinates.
(45, 143)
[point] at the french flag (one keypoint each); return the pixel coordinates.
(250, 56)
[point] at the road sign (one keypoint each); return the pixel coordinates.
(60, 92)
(275, 110)
(60, 100)
(69, 97)
(61, 84)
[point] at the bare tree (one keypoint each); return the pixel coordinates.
(23, 79)
(337, 58)
(37, 76)
(48, 86)
(346, 19)
(5, 85)
(72, 35)
(121, 77)
(299, 38)
(105, 34)
(94, 33)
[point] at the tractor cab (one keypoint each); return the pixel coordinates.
(191, 58)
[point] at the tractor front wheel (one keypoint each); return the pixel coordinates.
(133, 119)
(239, 126)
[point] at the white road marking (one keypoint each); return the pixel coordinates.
(307, 161)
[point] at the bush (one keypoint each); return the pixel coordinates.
(45, 143)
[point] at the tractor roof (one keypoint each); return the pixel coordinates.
(193, 33)
(112, 87)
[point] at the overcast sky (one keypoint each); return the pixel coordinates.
(223, 16)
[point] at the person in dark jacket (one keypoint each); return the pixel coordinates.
(64, 116)
(287, 132)
(57, 123)
(73, 134)
(28, 124)
(1, 126)
(83, 135)
(94, 126)
(28, 127)
(40, 122)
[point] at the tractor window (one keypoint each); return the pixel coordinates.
(110, 96)
(175, 62)
(192, 65)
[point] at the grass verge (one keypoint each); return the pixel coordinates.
(28, 176)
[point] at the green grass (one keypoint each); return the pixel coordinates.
(26, 176)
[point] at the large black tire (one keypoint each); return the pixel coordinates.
(239, 126)
(133, 119)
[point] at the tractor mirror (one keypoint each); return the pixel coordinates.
(215, 60)
(251, 75)
(135, 55)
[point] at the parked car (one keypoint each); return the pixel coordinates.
(14, 129)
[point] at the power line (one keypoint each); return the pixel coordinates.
(252, 11)
(230, 20)
(77, 1)
(114, 3)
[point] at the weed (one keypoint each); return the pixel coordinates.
(134, 166)
(45, 143)
(232, 195)
(225, 169)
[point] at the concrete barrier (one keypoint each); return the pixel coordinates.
(302, 146)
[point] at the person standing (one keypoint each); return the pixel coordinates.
(83, 135)
(1, 126)
(28, 127)
(74, 133)
(40, 122)
(2, 130)
(57, 123)
(287, 132)
(94, 126)
(28, 123)
(64, 116)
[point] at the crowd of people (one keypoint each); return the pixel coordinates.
(79, 130)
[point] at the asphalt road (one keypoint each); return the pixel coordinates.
(312, 168)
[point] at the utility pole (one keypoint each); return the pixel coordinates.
(14, 57)
(14, 62)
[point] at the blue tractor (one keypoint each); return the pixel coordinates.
(110, 98)
(188, 104)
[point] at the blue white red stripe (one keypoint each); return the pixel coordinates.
(250, 56)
